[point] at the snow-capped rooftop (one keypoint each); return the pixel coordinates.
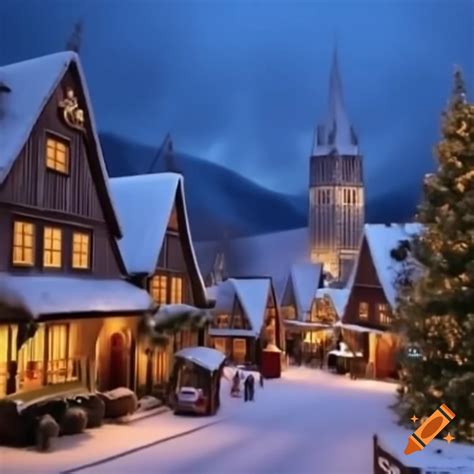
(144, 204)
(31, 85)
(262, 255)
(252, 293)
(381, 240)
(338, 296)
(210, 359)
(46, 295)
(304, 279)
(336, 133)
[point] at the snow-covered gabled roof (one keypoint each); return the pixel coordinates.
(262, 255)
(304, 279)
(381, 240)
(252, 294)
(338, 296)
(206, 357)
(31, 84)
(45, 295)
(144, 203)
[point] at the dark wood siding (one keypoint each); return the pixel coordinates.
(65, 200)
(367, 289)
(103, 258)
(32, 184)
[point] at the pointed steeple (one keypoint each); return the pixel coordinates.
(336, 133)
(163, 159)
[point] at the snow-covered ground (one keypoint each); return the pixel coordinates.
(307, 422)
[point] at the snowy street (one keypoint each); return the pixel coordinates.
(308, 422)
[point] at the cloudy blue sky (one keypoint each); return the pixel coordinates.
(243, 83)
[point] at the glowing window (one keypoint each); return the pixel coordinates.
(176, 290)
(52, 245)
(363, 310)
(80, 250)
(384, 314)
(158, 287)
(57, 155)
(23, 243)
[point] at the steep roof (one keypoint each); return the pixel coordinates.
(338, 296)
(145, 203)
(305, 279)
(31, 85)
(336, 134)
(262, 255)
(252, 293)
(381, 240)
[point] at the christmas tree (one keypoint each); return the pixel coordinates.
(435, 310)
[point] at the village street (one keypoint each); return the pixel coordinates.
(306, 419)
(307, 422)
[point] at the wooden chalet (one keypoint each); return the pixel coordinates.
(246, 318)
(68, 317)
(368, 315)
(158, 253)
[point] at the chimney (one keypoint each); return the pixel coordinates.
(4, 89)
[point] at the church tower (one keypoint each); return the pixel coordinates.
(336, 188)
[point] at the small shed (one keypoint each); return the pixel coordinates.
(270, 366)
(198, 367)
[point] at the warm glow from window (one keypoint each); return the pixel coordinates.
(363, 310)
(23, 243)
(239, 350)
(176, 290)
(384, 314)
(158, 288)
(3, 360)
(57, 155)
(80, 250)
(219, 344)
(52, 247)
(222, 321)
(31, 361)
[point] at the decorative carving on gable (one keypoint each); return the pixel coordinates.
(72, 114)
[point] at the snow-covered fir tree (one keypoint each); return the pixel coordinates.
(436, 310)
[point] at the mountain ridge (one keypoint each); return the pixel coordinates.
(222, 203)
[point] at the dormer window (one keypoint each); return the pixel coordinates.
(57, 154)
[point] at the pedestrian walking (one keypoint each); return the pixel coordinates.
(235, 389)
(247, 389)
(261, 380)
(251, 383)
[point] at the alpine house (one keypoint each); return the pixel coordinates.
(366, 325)
(246, 318)
(159, 257)
(68, 317)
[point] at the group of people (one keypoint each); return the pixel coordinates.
(249, 386)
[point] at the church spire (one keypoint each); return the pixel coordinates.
(336, 133)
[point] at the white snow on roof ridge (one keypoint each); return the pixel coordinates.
(253, 295)
(381, 240)
(144, 203)
(305, 279)
(32, 83)
(338, 296)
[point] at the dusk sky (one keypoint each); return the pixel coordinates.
(243, 83)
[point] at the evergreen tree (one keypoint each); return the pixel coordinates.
(436, 309)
